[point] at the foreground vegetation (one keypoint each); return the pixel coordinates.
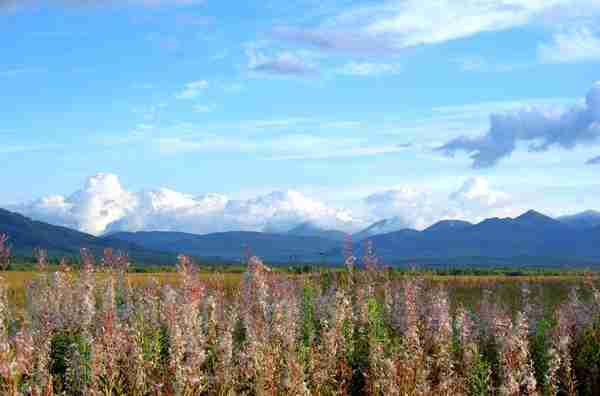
(101, 331)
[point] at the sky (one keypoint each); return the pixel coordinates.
(205, 115)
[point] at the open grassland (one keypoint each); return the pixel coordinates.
(103, 331)
(17, 281)
(550, 291)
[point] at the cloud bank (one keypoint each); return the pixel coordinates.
(475, 200)
(103, 205)
(540, 128)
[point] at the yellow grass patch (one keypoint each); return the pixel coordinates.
(17, 281)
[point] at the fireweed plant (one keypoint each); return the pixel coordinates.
(4, 252)
(361, 331)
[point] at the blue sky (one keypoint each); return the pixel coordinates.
(346, 103)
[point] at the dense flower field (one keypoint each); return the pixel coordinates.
(335, 333)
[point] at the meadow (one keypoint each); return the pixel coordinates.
(362, 330)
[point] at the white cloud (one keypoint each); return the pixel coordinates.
(192, 89)
(575, 45)
(477, 189)
(284, 63)
(167, 210)
(389, 26)
(206, 143)
(104, 205)
(286, 147)
(409, 206)
(365, 69)
(333, 152)
(474, 201)
(280, 211)
(100, 202)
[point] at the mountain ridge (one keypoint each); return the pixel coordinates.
(310, 229)
(26, 235)
(585, 220)
(526, 238)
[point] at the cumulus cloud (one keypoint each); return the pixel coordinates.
(101, 201)
(575, 45)
(540, 128)
(476, 200)
(393, 202)
(280, 211)
(284, 63)
(409, 207)
(413, 208)
(103, 205)
(477, 189)
(167, 210)
(392, 25)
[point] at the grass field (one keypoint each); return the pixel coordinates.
(17, 281)
(466, 290)
(346, 331)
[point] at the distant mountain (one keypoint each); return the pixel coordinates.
(158, 239)
(26, 234)
(381, 227)
(585, 220)
(528, 237)
(312, 230)
(447, 226)
(232, 245)
(532, 218)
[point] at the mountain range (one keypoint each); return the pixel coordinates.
(26, 235)
(529, 239)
